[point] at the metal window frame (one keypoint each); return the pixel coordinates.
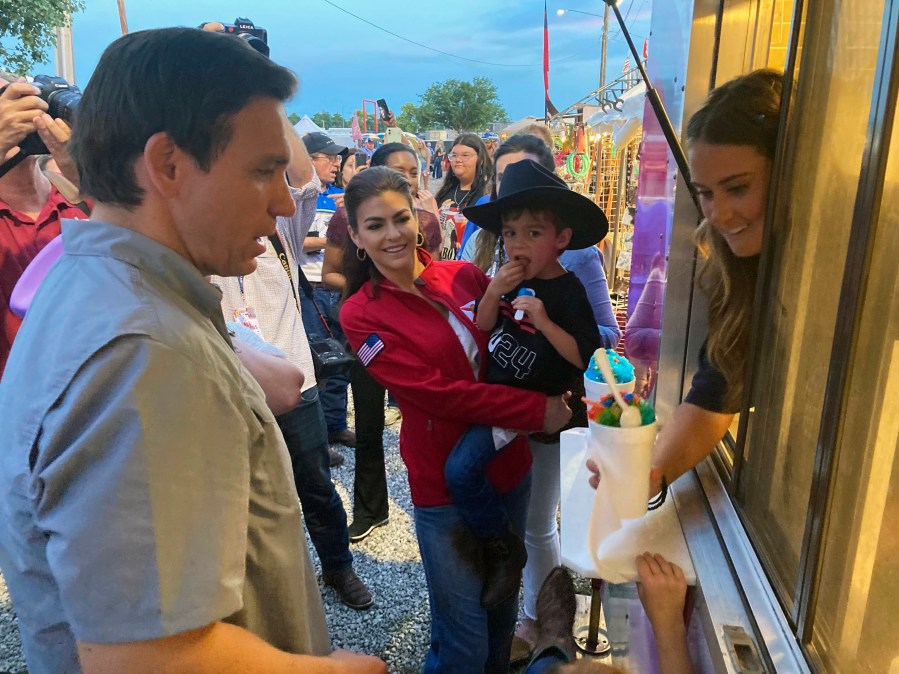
(858, 260)
(734, 584)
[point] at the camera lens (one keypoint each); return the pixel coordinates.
(62, 103)
(255, 42)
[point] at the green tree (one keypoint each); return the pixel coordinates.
(328, 120)
(27, 30)
(463, 106)
(293, 118)
(412, 118)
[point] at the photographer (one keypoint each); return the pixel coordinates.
(30, 206)
(265, 302)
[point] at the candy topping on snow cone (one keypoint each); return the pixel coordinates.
(621, 367)
(607, 412)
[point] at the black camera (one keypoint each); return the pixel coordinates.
(329, 358)
(62, 99)
(256, 37)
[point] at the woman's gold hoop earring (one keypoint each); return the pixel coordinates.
(360, 255)
(421, 240)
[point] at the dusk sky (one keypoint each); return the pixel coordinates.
(341, 59)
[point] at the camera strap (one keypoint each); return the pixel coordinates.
(301, 279)
(8, 166)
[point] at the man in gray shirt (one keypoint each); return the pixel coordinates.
(148, 517)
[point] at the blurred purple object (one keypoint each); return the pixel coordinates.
(31, 278)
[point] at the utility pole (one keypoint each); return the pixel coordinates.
(123, 19)
(65, 57)
(605, 46)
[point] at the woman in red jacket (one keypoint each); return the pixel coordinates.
(409, 320)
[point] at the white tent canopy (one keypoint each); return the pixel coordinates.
(622, 124)
(515, 127)
(306, 125)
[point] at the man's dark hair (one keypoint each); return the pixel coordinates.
(185, 82)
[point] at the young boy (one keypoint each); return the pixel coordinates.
(543, 334)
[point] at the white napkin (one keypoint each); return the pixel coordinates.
(617, 541)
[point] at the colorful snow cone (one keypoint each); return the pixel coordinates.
(595, 384)
(606, 411)
(623, 453)
(621, 367)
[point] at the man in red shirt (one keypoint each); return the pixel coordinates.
(30, 206)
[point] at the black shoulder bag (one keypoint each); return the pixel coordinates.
(329, 358)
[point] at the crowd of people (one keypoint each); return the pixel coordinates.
(168, 442)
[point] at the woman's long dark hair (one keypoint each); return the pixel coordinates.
(744, 111)
(379, 158)
(485, 246)
(369, 183)
(483, 172)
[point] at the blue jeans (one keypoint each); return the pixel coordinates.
(307, 443)
(333, 391)
(479, 503)
(465, 638)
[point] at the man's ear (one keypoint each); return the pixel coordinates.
(563, 238)
(165, 164)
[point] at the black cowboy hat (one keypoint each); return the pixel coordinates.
(527, 184)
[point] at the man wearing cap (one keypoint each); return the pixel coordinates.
(491, 140)
(325, 155)
(368, 147)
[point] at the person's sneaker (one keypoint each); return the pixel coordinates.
(349, 587)
(392, 415)
(345, 437)
(504, 558)
(335, 458)
(556, 606)
(360, 530)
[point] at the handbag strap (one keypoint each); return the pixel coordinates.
(301, 279)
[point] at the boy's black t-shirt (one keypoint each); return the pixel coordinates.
(521, 356)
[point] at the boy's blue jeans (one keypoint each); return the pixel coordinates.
(479, 503)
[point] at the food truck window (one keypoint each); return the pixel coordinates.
(809, 239)
(855, 626)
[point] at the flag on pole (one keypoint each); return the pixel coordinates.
(356, 132)
(549, 108)
(627, 65)
(645, 48)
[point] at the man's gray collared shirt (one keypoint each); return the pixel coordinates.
(145, 489)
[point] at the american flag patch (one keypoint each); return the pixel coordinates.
(370, 348)
(468, 310)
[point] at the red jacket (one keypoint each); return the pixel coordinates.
(420, 359)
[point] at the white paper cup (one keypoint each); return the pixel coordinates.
(596, 390)
(624, 457)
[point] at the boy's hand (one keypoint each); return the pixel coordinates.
(662, 589)
(507, 278)
(534, 308)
